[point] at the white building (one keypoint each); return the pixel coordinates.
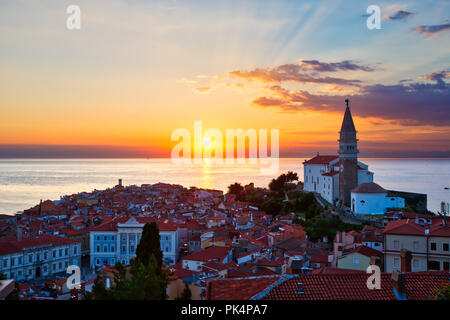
(371, 198)
(321, 175)
(345, 180)
(40, 257)
(428, 240)
(113, 242)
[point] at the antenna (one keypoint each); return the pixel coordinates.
(347, 102)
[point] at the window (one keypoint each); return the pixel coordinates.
(75, 250)
(433, 265)
(105, 238)
(433, 246)
(105, 248)
(98, 238)
(112, 249)
(30, 258)
(415, 263)
(66, 251)
(54, 254)
(5, 263)
(446, 265)
(97, 262)
(416, 245)
(60, 265)
(113, 238)
(13, 263)
(45, 255)
(60, 252)
(20, 260)
(355, 261)
(396, 262)
(98, 248)
(445, 246)
(396, 244)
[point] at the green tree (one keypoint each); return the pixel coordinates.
(99, 291)
(186, 294)
(443, 293)
(281, 184)
(272, 206)
(121, 285)
(237, 189)
(149, 244)
(157, 281)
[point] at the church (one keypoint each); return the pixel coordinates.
(342, 179)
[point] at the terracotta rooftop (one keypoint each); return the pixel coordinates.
(208, 254)
(45, 239)
(321, 159)
(410, 227)
(338, 286)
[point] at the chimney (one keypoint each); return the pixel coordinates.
(406, 257)
(19, 233)
(120, 182)
(374, 260)
(398, 279)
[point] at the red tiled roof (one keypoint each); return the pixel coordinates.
(328, 286)
(17, 246)
(366, 251)
(409, 227)
(208, 254)
(327, 270)
(239, 288)
(321, 159)
(331, 173)
(319, 258)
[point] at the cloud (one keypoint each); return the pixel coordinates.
(432, 30)
(203, 90)
(400, 15)
(307, 71)
(438, 76)
(407, 104)
(345, 65)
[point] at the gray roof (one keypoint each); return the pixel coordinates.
(369, 187)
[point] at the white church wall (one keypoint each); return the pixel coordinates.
(312, 175)
(368, 203)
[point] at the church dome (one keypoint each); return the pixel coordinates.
(369, 187)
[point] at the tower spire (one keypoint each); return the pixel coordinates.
(347, 124)
(348, 156)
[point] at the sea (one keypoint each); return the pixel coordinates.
(24, 182)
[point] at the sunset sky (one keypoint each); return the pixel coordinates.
(137, 70)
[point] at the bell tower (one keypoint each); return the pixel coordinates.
(348, 157)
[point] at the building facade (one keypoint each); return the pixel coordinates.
(37, 258)
(117, 242)
(428, 240)
(371, 198)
